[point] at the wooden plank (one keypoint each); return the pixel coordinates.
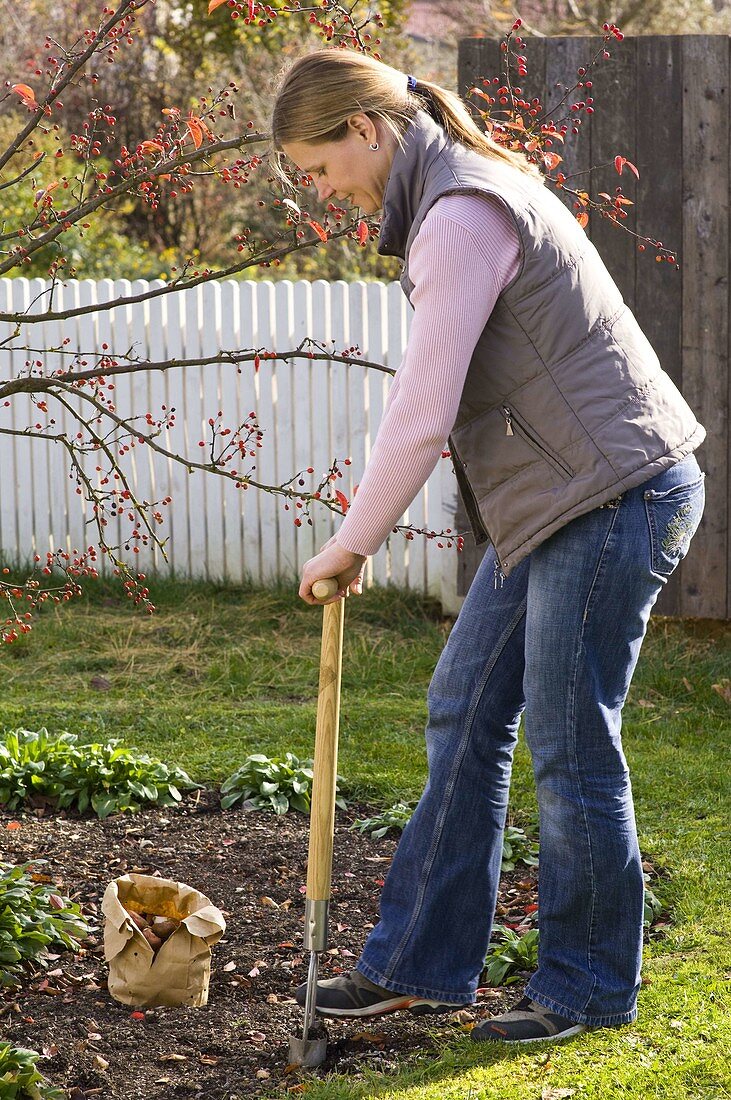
(378, 384)
(283, 434)
(232, 499)
(10, 503)
(304, 415)
(564, 57)
(659, 286)
(658, 303)
(210, 343)
(612, 131)
(252, 501)
(271, 512)
(153, 316)
(323, 522)
(179, 545)
(705, 150)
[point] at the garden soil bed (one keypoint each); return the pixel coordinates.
(253, 867)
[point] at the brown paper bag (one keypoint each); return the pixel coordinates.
(179, 972)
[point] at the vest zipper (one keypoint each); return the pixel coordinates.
(515, 424)
(472, 506)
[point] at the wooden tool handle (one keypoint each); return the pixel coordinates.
(323, 590)
(322, 812)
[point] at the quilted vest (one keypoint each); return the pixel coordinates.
(565, 405)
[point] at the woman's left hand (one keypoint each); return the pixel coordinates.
(333, 561)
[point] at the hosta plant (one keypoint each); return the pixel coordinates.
(506, 960)
(33, 918)
(395, 817)
(20, 1079)
(264, 783)
(108, 778)
(518, 847)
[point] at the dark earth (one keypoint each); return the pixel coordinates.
(252, 865)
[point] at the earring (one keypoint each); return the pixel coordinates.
(375, 147)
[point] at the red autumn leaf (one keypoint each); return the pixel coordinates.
(362, 232)
(619, 163)
(13, 825)
(195, 132)
(583, 219)
(342, 500)
(56, 901)
(551, 160)
(213, 4)
(151, 147)
(27, 94)
(322, 234)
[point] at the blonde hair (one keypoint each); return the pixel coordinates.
(320, 91)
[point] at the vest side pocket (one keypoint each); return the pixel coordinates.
(516, 425)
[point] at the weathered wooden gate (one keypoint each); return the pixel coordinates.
(663, 102)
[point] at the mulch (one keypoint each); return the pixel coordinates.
(252, 865)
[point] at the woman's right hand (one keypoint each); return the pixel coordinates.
(333, 560)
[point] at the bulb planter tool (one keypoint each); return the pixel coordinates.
(310, 1048)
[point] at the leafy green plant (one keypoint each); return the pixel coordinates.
(518, 847)
(512, 954)
(395, 817)
(653, 907)
(263, 783)
(20, 1079)
(33, 917)
(109, 778)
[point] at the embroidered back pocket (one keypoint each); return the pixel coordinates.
(673, 517)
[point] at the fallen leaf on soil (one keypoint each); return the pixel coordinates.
(368, 1037)
(268, 902)
(723, 688)
(208, 1060)
(100, 1063)
(229, 966)
(263, 1074)
(257, 1036)
(13, 825)
(173, 1058)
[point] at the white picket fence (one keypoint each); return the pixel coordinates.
(311, 413)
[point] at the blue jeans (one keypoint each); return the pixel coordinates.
(559, 639)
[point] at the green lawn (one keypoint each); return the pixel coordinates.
(217, 674)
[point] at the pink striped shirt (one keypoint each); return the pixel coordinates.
(465, 254)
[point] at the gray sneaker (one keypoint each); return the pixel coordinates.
(527, 1022)
(352, 995)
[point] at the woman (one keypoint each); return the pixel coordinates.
(574, 455)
